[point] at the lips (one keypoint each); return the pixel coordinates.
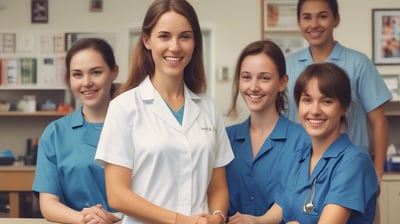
(173, 59)
(315, 121)
(88, 92)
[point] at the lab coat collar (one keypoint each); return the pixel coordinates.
(191, 111)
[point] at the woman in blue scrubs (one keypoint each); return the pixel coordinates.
(331, 181)
(266, 138)
(70, 184)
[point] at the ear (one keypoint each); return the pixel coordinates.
(337, 22)
(146, 41)
(283, 83)
(115, 72)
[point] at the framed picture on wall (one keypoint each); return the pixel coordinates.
(279, 14)
(39, 11)
(386, 36)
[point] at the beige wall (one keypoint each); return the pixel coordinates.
(233, 23)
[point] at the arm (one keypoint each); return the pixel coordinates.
(122, 198)
(218, 196)
(334, 214)
(378, 121)
(53, 210)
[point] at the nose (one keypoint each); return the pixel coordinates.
(254, 85)
(174, 44)
(315, 108)
(314, 22)
(87, 80)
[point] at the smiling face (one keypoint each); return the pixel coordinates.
(317, 22)
(319, 114)
(91, 78)
(259, 83)
(171, 43)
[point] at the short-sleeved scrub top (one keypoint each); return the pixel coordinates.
(345, 176)
(65, 164)
(253, 180)
(171, 163)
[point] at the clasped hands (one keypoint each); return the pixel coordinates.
(98, 215)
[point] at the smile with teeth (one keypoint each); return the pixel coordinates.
(87, 93)
(254, 96)
(173, 59)
(316, 121)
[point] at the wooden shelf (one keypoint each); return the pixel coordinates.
(33, 114)
(392, 108)
(32, 87)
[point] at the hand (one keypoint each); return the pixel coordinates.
(194, 219)
(240, 218)
(215, 219)
(98, 215)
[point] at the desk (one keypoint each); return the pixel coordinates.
(16, 179)
(29, 221)
(23, 221)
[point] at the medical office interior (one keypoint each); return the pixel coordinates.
(228, 25)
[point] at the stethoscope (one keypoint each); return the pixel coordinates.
(309, 202)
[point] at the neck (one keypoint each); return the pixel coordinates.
(321, 52)
(95, 115)
(171, 90)
(264, 121)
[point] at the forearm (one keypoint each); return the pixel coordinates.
(380, 142)
(53, 210)
(218, 195)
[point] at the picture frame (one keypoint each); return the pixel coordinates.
(96, 6)
(288, 43)
(279, 15)
(392, 81)
(39, 11)
(386, 36)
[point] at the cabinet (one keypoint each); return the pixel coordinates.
(389, 199)
(279, 24)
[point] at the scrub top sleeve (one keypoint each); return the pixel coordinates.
(371, 88)
(353, 183)
(115, 143)
(46, 171)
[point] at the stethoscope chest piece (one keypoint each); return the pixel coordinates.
(308, 207)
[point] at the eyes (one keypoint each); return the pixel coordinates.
(93, 72)
(183, 36)
(306, 99)
(261, 77)
(322, 16)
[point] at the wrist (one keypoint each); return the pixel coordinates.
(221, 215)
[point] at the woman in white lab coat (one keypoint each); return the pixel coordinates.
(164, 145)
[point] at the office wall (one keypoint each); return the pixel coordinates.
(233, 24)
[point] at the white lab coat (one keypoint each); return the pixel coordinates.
(171, 164)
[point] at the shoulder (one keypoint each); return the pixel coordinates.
(352, 55)
(295, 57)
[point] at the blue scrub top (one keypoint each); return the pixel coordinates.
(346, 178)
(252, 181)
(368, 90)
(65, 164)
